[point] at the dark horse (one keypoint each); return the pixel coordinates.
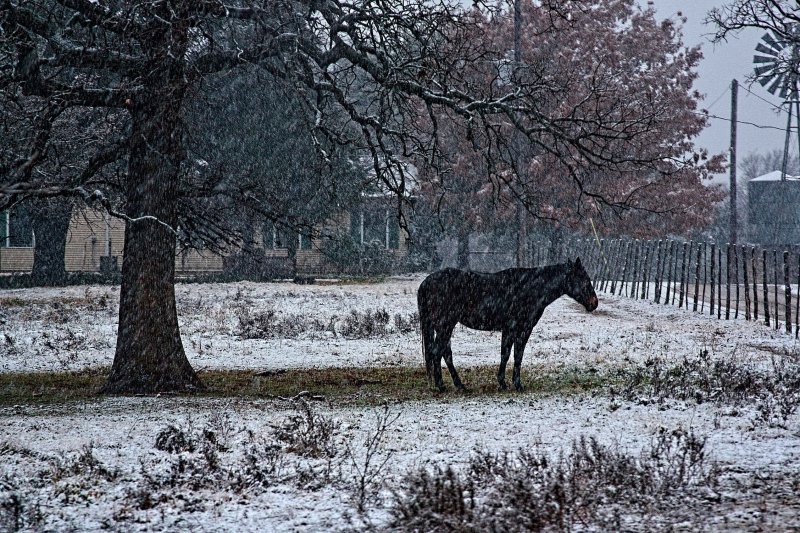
(511, 301)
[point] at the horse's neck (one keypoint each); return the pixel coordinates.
(551, 279)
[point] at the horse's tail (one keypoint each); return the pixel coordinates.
(428, 334)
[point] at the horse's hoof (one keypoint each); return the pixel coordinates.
(461, 388)
(519, 387)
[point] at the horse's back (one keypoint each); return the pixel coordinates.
(476, 299)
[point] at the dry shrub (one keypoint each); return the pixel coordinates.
(775, 392)
(591, 485)
(270, 324)
(308, 434)
(365, 325)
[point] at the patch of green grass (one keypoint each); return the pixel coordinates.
(49, 387)
(15, 302)
(357, 386)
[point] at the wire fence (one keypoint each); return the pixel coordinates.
(729, 281)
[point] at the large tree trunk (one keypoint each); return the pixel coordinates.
(462, 255)
(50, 224)
(150, 356)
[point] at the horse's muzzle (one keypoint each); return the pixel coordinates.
(592, 303)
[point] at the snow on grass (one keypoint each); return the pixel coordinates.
(74, 328)
(122, 433)
(94, 465)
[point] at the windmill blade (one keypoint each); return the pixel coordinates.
(777, 84)
(772, 42)
(769, 51)
(764, 74)
(764, 59)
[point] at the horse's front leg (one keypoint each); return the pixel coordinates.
(448, 358)
(505, 353)
(519, 349)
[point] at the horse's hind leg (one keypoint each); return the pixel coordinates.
(519, 349)
(448, 358)
(505, 352)
(436, 360)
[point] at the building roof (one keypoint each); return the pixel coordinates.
(775, 175)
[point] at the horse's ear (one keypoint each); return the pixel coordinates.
(577, 263)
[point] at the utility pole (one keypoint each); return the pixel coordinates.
(733, 220)
(522, 219)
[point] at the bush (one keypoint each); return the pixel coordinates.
(358, 325)
(270, 324)
(775, 392)
(308, 434)
(592, 485)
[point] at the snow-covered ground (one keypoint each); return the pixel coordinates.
(43, 449)
(74, 328)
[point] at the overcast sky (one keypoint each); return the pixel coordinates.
(722, 62)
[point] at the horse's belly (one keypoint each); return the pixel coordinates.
(483, 322)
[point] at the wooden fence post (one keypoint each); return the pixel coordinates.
(736, 276)
(635, 276)
(753, 261)
(775, 279)
(746, 284)
(675, 284)
(601, 265)
(625, 269)
(657, 289)
(728, 282)
(671, 249)
(697, 277)
(705, 277)
(688, 285)
(713, 259)
(719, 283)
(683, 278)
(615, 266)
(788, 290)
(645, 269)
(766, 291)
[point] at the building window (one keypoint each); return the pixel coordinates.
(375, 224)
(16, 228)
(277, 238)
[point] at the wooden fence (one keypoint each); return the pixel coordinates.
(723, 280)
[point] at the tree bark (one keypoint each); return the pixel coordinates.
(462, 257)
(150, 357)
(50, 224)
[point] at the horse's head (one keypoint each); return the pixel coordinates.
(578, 286)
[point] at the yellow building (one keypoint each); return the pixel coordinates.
(96, 240)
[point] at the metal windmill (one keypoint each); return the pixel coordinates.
(777, 67)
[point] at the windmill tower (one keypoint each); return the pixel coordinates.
(774, 200)
(776, 68)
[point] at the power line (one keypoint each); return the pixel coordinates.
(726, 119)
(777, 108)
(724, 92)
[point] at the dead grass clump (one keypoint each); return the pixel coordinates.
(365, 325)
(407, 324)
(774, 392)
(83, 464)
(308, 434)
(593, 486)
(215, 457)
(270, 324)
